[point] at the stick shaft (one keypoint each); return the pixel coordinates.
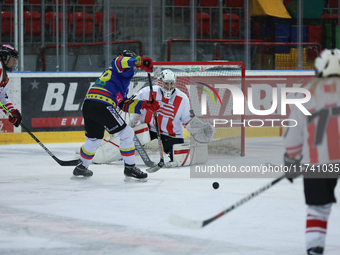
(194, 224)
(142, 153)
(156, 121)
(242, 201)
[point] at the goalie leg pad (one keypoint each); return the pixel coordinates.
(187, 154)
(142, 132)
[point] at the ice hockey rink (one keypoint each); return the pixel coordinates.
(43, 211)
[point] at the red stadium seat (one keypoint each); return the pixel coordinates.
(333, 3)
(99, 22)
(181, 2)
(35, 2)
(33, 5)
(205, 24)
(327, 18)
(81, 23)
(234, 3)
(208, 3)
(60, 2)
(88, 3)
(7, 5)
(85, 6)
(234, 18)
(51, 22)
(7, 23)
(32, 23)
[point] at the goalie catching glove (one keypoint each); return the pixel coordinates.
(201, 132)
(146, 64)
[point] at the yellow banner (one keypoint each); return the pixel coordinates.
(273, 8)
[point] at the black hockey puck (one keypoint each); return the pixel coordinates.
(215, 185)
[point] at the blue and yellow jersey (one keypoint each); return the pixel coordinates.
(112, 86)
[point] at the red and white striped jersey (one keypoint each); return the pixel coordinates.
(3, 88)
(173, 112)
(317, 136)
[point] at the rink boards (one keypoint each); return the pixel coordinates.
(51, 103)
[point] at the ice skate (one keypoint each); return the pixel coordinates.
(315, 251)
(81, 172)
(132, 172)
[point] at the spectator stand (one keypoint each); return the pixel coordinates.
(7, 26)
(84, 56)
(283, 61)
(209, 42)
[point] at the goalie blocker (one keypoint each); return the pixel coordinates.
(185, 154)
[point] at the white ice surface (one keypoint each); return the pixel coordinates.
(43, 211)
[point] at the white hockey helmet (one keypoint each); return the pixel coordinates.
(168, 80)
(327, 63)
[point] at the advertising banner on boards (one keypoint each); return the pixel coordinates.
(54, 104)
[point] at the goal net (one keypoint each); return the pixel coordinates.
(201, 82)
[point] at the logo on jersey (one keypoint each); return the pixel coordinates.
(119, 98)
(115, 115)
(167, 110)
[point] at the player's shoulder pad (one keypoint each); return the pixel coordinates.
(181, 94)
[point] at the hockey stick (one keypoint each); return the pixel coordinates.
(145, 157)
(188, 223)
(60, 162)
(143, 154)
(161, 162)
(139, 147)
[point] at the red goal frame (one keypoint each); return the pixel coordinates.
(202, 63)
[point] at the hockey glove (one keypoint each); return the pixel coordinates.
(293, 167)
(16, 119)
(146, 65)
(150, 105)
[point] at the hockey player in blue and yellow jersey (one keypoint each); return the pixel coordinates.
(112, 86)
(99, 111)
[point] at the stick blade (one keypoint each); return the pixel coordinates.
(68, 163)
(155, 168)
(150, 164)
(184, 223)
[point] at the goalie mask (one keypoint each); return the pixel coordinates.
(6, 53)
(168, 85)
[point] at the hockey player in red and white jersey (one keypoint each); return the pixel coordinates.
(174, 111)
(315, 141)
(8, 63)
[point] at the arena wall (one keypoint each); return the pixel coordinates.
(51, 103)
